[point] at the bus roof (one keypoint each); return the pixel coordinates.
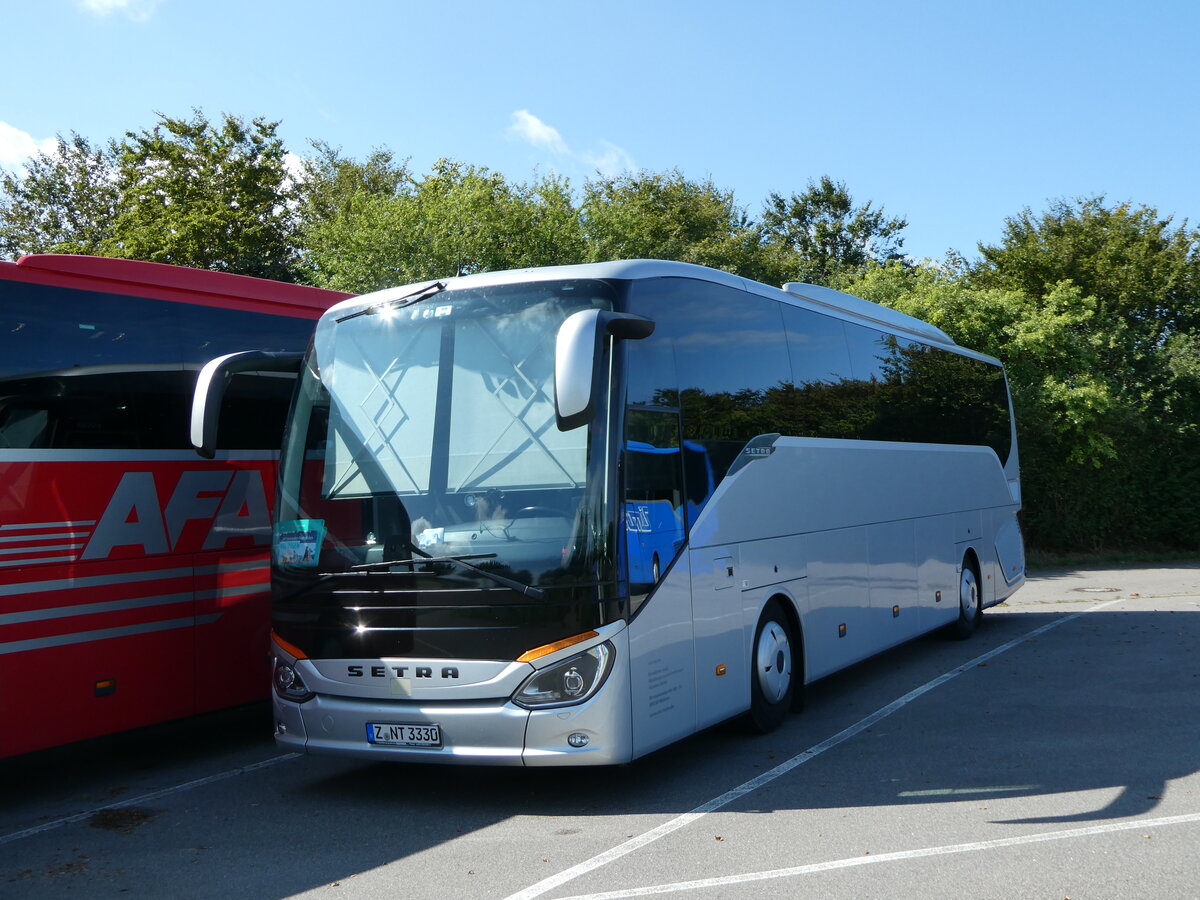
(867, 310)
(797, 294)
(166, 282)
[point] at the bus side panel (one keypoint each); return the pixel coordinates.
(87, 650)
(233, 599)
(808, 485)
(98, 615)
(862, 507)
(836, 624)
(937, 571)
(233, 629)
(722, 655)
(895, 610)
(662, 663)
(1010, 553)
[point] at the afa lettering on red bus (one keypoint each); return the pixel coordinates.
(212, 509)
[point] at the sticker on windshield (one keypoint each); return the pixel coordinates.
(298, 542)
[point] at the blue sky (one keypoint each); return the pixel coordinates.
(954, 115)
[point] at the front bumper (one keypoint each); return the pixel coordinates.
(474, 732)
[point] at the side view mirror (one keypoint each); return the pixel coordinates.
(578, 348)
(214, 378)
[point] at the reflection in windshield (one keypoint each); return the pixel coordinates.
(429, 441)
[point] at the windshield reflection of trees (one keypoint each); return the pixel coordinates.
(918, 395)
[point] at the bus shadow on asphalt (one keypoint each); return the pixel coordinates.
(1086, 722)
(1105, 703)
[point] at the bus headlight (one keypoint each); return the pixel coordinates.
(568, 682)
(288, 683)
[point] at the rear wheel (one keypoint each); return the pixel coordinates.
(773, 682)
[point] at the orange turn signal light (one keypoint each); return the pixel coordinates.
(291, 649)
(547, 649)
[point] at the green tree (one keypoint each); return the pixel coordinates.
(820, 232)
(63, 203)
(1141, 275)
(330, 185)
(209, 195)
(457, 219)
(1143, 272)
(651, 215)
(341, 204)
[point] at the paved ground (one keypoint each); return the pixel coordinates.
(1053, 755)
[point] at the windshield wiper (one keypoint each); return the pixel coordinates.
(422, 557)
(416, 296)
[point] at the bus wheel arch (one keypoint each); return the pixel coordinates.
(774, 658)
(798, 656)
(970, 597)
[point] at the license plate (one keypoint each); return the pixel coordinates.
(395, 734)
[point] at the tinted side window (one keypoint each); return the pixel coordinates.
(49, 329)
(254, 410)
(907, 391)
(118, 372)
(730, 358)
(816, 346)
(877, 361)
(718, 355)
(207, 332)
(44, 329)
(140, 410)
(145, 410)
(947, 398)
(822, 398)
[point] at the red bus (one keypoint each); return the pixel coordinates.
(133, 575)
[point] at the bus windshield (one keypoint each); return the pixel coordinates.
(424, 442)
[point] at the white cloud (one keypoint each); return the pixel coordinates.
(16, 146)
(134, 10)
(293, 165)
(611, 160)
(528, 127)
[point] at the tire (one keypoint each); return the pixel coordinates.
(970, 602)
(773, 680)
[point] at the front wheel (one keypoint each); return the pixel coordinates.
(970, 606)
(773, 681)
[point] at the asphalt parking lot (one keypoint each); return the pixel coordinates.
(1054, 754)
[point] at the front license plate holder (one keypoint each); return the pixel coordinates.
(405, 734)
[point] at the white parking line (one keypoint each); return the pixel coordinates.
(793, 871)
(680, 821)
(146, 798)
